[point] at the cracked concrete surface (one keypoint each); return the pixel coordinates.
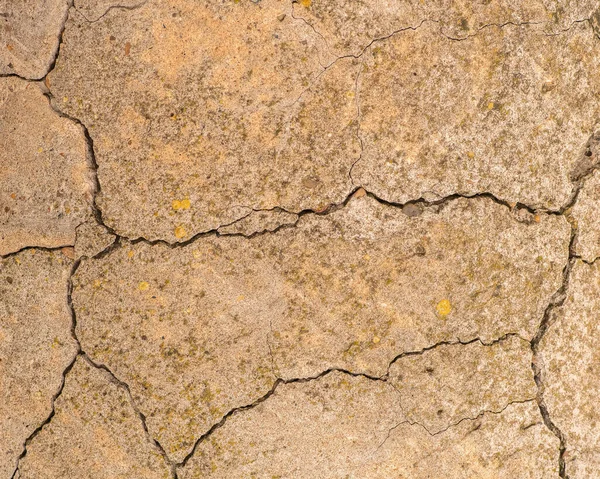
(299, 239)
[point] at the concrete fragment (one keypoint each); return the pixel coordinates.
(92, 238)
(342, 426)
(95, 433)
(202, 329)
(29, 36)
(570, 359)
(492, 113)
(35, 345)
(45, 182)
(442, 387)
(220, 108)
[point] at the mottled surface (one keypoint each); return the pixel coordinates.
(493, 113)
(220, 109)
(347, 28)
(260, 222)
(299, 239)
(336, 427)
(586, 214)
(45, 181)
(571, 357)
(29, 35)
(199, 330)
(94, 434)
(445, 385)
(35, 345)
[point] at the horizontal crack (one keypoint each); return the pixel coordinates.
(384, 378)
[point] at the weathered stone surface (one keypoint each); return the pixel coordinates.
(585, 213)
(35, 345)
(29, 35)
(571, 358)
(94, 434)
(442, 387)
(259, 222)
(493, 113)
(220, 108)
(45, 184)
(199, 330)
(94, 10)
(92, 238)
(347, 28)
(342, 426)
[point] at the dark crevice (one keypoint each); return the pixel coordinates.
(589, 164)
(37, 248)
(64, 374)
(137, 411)
(384, 378)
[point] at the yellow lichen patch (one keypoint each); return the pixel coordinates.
(470, 154)
(376, 339)
(305, 3)
(181, 204)
(180, 232)
(143, 286)
(443, 308)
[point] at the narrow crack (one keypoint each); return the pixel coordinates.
(112, 7)
(123, 385)
(560, 296)
(456, 423)
(64, 373)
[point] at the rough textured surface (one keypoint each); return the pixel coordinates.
(35, 345)
(260, 222)
(335, 427)
(493, 113)
(571, 358)
(94, 10)
(394, 284)
(445, 385)
(347, 28)
(585, 213)
(189, 143)
(92, 239)
(95, 433)
(299, 239)
(45, 183)
(29, 35)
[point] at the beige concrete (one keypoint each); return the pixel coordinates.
(299, 239)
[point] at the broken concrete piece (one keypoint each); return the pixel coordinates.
(35, 345)
(445, 385)
(260, 222)
(92, 238)
(343, 426)
(29, 36)
(570, 358)
(45, 181)
(197, 331)
(492, 113)
(95, 433)
(220, 108)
